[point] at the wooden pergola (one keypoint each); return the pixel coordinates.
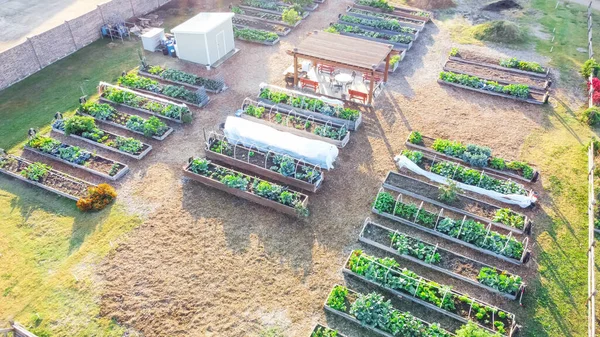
(345, 52)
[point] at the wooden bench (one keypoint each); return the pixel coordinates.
(323, 68)
(306, 83)
(359, 95)
(367, 77)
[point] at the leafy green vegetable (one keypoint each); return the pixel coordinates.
(36, 171)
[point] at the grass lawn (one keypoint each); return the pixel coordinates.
(33, 101)
(48, 254)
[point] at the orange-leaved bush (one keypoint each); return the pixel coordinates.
(98, 197)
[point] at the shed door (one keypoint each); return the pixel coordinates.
(221, 44)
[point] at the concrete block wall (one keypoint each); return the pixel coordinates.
(46, 48)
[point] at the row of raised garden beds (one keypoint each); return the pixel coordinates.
(399, 41)
(513, 65)
(76, 157)
(275, 8)
(277, 167)
(391, 276)
(105, 113)
(255, 35)
(173, 92)
(467, 232)
(443, 260)
(254, 189)
(179, 77)
(141, 102)
(473, 155)
(242, 21)
(308, 105)
(374, 313)
(500, 217)
(382, 6)
(85, 129)
(381, 25)
(297, 124)
(88, 196)
(418, 25)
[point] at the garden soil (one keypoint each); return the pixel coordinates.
(205, 263)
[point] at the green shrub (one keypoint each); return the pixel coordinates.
(415, 137)
(449, 192)
(414, 156)
(79, 124)
(36, 171)
(454, 52)
(591, 116)
(589, 67)
(290, 16)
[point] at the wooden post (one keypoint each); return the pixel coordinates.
(295, 69)
(387, 67)
(371, 86)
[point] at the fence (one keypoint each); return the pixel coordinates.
(39, 51)
(591, 300)
(16, 330)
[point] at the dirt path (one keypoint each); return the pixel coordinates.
(207, 264)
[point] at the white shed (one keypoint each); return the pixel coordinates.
(205, 38)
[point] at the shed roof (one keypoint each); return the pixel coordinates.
(343, 49)
(202, 23)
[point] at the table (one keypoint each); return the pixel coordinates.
(344, 79)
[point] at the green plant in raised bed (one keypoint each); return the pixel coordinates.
(476, 178)
(517, 90)
(337, 298)
(199, 166)
(284, 165)
(372, 310)
(155, 70)
(500, 281)
(394, 60)
(324, 332)
(150, 127)
(114, 169)
(408, 246)
(385, 24)
(476, 155)
(332, 132)
(415, 137)
(451, 148)
(406, 39)
(414, 156)
(129, 145)
(523, 65)
(235, 181)
(254, 111)
(36, 171)
(101, 111)
(74, 154)
(381, 4)
(498, 163)
(472, 330)
(449, 192)
(509, 218)
(454, 52)
(251, 34)
(290, 16)
(237, 10)
(384, 203)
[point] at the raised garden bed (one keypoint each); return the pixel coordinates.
(467, 232)
(54, 181)
(255, 35)
(418, 25)
(390, 27)
(182, 78)
(284, 169)
(249, 22)
(105, 113)
(271, 7)
(76, 157)
(445, 261)
(399, 41)
(171, 92)
(482, 156)
(270, 17)
(351, 305)
(250, 188)
(297, 124)
(87, 131)
(484, 212)
(498, 75)
(512, 65)
(148, 104)
(454, 171)
(493, 88)
(389, 275)
(323, 331)
(308, 105)
(396, 11)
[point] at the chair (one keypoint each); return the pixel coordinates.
(306, 83)
(367, 78)
(323, 68)
(358, 95)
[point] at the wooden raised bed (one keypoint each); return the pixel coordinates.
(352, 319)
(151, 93)
(146, 96)
(270, 11)
(244, 194)
(56, 182)
(397, 45)
(267, 120)
(282, 107)
(266, 43)
(535, 84)
(321, 326)
(511, 330)
(241, 20)
(465, 269)
(497, 65)
(524, 257)
(413, 36)
(145, 149)
(370, 15)
(122, 171)
(141, 72)
(531, 100)
(121, 126)
(255, 13)
(427, 149)
(396, 12)
(251, 165)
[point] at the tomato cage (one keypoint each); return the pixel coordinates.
(454, 235)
